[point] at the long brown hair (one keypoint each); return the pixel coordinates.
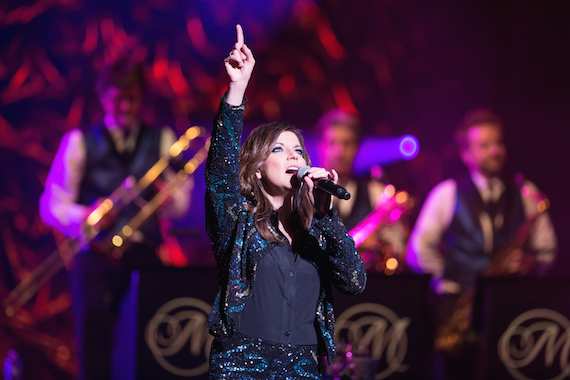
(253, 154)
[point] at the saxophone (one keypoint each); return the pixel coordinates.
(390, 206)
(456, 330)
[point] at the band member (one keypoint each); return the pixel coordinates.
(89, 165)
(279, 245)
(339, 141)
(467, 224)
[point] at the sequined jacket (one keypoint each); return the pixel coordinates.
(238, 247)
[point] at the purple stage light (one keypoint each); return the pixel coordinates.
(409, 146)
(384, 151)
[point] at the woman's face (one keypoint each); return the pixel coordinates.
(281, 165)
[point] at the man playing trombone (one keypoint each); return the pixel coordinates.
(90, 164)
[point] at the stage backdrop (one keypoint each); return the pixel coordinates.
(406, 66)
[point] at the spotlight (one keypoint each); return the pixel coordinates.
(384, 151)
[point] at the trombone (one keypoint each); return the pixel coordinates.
(127, 193)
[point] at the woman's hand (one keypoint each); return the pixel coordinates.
(321, 200)
(239, 66)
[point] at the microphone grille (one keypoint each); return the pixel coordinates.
(302, 172)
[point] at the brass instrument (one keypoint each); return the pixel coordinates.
(389, 208)
(456, 331)
(128, 192)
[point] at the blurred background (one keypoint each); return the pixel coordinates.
(407, 67)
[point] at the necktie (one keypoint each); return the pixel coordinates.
(491, 203)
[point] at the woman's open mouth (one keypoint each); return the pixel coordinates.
(292, 169)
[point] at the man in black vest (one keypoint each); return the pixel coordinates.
(89, 165)
(339, 136)
(467, 223)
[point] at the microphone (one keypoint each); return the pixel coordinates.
(324, 184)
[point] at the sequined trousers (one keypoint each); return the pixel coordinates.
(241, 357)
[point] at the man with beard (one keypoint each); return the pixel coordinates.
(467, 223)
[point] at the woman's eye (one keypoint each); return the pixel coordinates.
(277, 149)
(300, 151)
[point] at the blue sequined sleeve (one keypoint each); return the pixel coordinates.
(223, 200)
(346, 268)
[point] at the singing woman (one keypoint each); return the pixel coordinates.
(278, 242)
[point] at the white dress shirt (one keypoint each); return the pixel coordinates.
(423, 253)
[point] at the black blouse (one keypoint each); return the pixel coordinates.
(283, 303)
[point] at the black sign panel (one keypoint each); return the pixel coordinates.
(391, 323)
(164, 333)
(524, 326)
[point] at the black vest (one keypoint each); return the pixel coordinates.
(106, 169)
(465, 258)
(361, 207)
